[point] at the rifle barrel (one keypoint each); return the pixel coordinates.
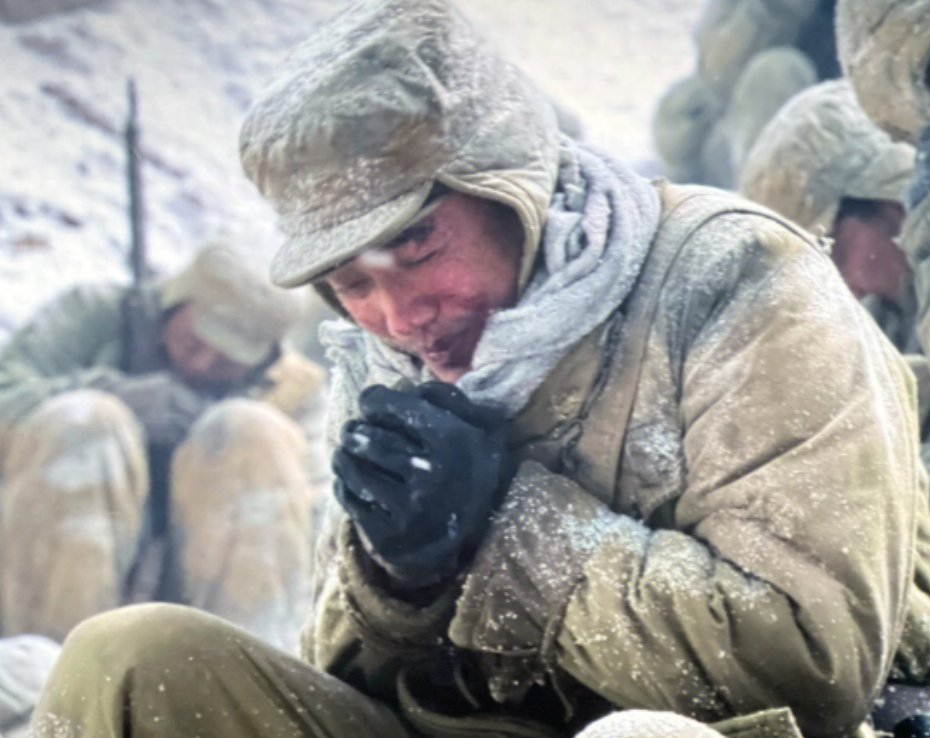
(137, 253)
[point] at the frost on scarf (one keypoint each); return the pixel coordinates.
(600, 223)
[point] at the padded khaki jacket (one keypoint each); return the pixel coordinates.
(718, 513)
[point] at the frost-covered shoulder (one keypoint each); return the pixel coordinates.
(734, 260)
(737, 248)
(72, 317)
(749, 234)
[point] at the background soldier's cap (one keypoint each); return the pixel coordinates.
(820, 148)
(236, 309)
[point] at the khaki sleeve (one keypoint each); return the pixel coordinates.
(786, 577)
(359, 632)
(73, 342)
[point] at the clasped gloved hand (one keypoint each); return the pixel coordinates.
(163, 404)
(420, 473)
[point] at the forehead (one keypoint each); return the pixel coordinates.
(452, 214)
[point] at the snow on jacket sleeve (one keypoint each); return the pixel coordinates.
(783, 578)
(73, 342)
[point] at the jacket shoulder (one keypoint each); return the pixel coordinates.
(718, 237)
(731, 254)
(693, 212)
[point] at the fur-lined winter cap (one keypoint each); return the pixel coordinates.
(884, 47)
(383, 102)
(236, 309)
(819, 148)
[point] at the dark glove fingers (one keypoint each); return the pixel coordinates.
(444, 395)
(357, 435)
(386, 449)
(369, 515)
(370, 483)
(450, 398)
(401, 411)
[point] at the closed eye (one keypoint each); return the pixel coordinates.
(349, 289)
(422, 259)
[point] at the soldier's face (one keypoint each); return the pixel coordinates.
(431, 290)
(194, 360)
(866, 254)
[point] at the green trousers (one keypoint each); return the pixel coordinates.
(166, 671)
(171, 671)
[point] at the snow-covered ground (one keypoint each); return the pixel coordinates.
(197, 64)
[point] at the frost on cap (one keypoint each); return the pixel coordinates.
(363, 118)
(819, 148)
(236, 309)
(730, 32)
(884, 48)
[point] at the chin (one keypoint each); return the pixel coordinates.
(449, 374)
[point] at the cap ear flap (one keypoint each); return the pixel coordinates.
(329, 297)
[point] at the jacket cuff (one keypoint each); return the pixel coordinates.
(380, 615)
(514, 599)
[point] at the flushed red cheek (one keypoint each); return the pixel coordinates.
(368, 319)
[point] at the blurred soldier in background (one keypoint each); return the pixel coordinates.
(218, 418)
(884, 48)
(752, 56)
(822, 163)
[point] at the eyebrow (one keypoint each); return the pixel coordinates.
(418, 231)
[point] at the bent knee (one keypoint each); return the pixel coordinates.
(135, 637)
(75, 419)
(243, 422)
(81, 434)
(88, 409)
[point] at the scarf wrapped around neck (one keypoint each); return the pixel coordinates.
(601, 220)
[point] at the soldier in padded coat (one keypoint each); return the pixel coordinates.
(601, 446)
(823, 164)
(163, 456)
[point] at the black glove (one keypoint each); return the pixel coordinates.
(420, 473)
(163, 404)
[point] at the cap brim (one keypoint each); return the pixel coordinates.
(309, 256)
(229, 342)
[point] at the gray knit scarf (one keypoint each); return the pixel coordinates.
(601, 221)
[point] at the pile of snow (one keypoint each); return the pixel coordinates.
(197, 65)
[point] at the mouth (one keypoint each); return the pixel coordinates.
(439, 352)
(446, 350)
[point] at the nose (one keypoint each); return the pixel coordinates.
(406, 312)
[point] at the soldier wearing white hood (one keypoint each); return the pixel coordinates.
(822, 163)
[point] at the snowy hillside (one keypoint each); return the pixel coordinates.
(197, 64)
